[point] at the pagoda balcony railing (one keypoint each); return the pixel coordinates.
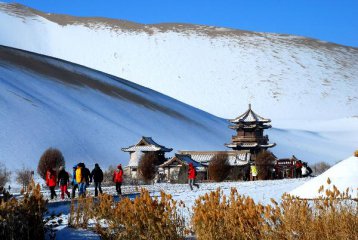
(250, 139)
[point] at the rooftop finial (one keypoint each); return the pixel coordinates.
(249, 106)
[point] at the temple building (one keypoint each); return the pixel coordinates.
(145, 145)
(169, 171)
(249, 128)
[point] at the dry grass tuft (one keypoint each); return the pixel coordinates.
(334, 216)
(356, 153)
(142, 218)
(216, 216)
(23, 219)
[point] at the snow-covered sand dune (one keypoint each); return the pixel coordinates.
(343, 175)
(90, 115)
(214, 69)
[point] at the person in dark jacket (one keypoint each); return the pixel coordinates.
(86, 174)
(74, 183)
(63, 179)
(97, 177)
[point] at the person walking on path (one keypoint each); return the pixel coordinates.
(118, 179)
(51, 181)
(97, 177)
(192, 176)
(81, 180)
(74, 183)
(63, 180)
(254, 173)
(86, 175)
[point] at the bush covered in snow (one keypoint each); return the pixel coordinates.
(52, 158)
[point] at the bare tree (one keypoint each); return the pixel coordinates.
(219, 167)
(147, 167)
(52, 158)
(320, 167)
(24, 177)
(108, 174)
(4, 175)
(264, 163)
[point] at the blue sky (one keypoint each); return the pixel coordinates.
(329, 20)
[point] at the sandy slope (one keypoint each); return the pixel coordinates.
(215, 69)
(90, 115)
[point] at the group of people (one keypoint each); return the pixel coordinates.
(302, 169)
(81, 179)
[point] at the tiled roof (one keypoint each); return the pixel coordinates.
(245, 126)
(250, 117)
(236, 158)
(146, 144)
(250, 145)
(182, 158)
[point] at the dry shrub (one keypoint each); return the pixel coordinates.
(264, 163)
(320, 167)
(334, 216)
(183, 174)
(24, 177)
(23, 219)
(82, 212)
(4, 175)
(108, 175)
(142, 218)
(218, 217)
(219, 167)
(147, 167)
(52, 158)
(356, 153)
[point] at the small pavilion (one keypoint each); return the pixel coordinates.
(136, 151)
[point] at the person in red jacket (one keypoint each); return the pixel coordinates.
(298, 169)
(192, 176)
(118, 179)
(51, 181)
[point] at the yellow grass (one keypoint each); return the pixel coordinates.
(216, 216)
(142, 218)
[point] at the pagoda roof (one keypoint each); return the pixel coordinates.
(146, 144)
(250, 117)
(235, 158)
(250, 145)
(251, 126)
(181, 159)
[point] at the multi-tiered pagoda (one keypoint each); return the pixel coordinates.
(250, 133)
